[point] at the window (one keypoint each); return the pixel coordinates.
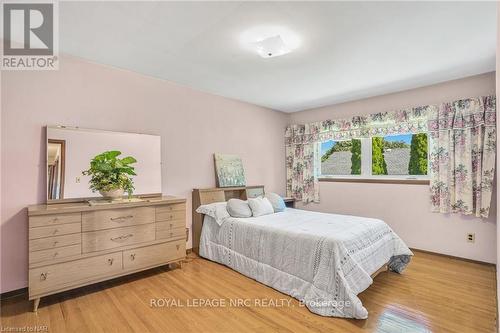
(398, 155)
(341, 157)
(394, 156)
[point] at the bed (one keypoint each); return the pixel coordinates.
(323, 260)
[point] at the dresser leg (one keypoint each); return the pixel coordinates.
(180, 264)
(36, 302)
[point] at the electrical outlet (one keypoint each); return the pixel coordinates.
(471, 237)
(78, 180)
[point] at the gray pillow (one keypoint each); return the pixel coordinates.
(260, 206)
(277, 202)
(238, 208)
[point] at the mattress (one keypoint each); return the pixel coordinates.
(323, 260)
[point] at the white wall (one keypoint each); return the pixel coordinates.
(406, 207)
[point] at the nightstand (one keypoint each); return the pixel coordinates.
(289, 202)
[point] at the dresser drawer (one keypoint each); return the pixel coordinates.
(167, 225)
(50, 278)
(49, 220)
(115, 218)
(154, 255)
(170, 208)
(56, 230)
(51, 254)
(111, 238)
(163, 233)
(170, 215)
(54, 242)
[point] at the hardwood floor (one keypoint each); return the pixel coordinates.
(435, 294)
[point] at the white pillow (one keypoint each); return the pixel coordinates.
(238, 208)
(277, 202)
(217, 210)
(260, 206)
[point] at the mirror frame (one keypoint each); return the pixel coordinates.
(86, 199)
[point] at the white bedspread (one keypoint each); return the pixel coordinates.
(323, 260)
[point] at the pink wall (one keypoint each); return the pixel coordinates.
(193, 125)
(406, 207)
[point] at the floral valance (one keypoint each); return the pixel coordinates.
(412, 120)
(464, 113)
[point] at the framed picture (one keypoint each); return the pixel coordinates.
(229, 170)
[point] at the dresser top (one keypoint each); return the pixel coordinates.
(74, 207)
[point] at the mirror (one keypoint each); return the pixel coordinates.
(55, 168)
(70, 149)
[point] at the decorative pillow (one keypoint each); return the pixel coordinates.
(217, 210)
(277, 202)
(238, 208)
(260, 206)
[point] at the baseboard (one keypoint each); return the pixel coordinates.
(14, 293)
(454, 257)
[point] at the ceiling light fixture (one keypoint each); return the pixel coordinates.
(271, 47)
(269, 41)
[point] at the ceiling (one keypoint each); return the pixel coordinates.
(348, 50)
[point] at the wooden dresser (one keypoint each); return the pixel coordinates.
(76, 244)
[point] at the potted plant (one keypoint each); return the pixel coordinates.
(110, 175)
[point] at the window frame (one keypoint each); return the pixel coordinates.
(366, 168)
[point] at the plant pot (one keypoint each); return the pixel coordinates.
(116, 194)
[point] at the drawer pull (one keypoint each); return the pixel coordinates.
(132, 256)
(171, 225)
(121, 218)
(55, 231)
(110, 261)
(55, 243)
(55, 219)
(56, 254)
(177, 246)
(43, 276)
(121, 238)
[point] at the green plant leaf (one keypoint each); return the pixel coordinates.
(102, 166)
(129, 172)
(111, 154)
(108, 172)
(128, 160)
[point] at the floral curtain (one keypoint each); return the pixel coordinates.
(301, 169)
(462, 155)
